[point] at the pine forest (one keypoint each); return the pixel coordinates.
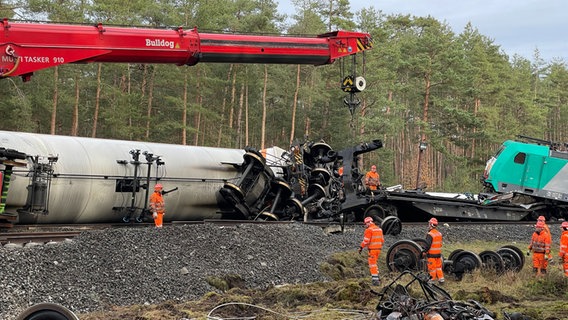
(459, 93)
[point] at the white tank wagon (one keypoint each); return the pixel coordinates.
(67, 179)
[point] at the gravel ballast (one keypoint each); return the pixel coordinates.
(129, 266)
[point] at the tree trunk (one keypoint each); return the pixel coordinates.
(239, 122)
(97, 102)
(184, 112)
(233, 98)
(75, 124)
(55, 98)
(150, 102)
(263, 124)
(475, 111)
(224, 105)
(197, 114)
(295, 106)
(419, 183)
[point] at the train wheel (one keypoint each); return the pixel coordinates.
(375, 211)
(321, 175)
(421, 242)
(404, 255)
(518, 251)
(282, 188)
(235, 190)
(316, 191)
(254, 157)
(294, 209)
(492, 261)
(391, 225)
(319, 150)
(465, 261)
(47, 311)
(267, 216)
(454, 253)
(511, 259)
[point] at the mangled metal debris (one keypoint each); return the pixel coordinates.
(309, 182)
(418, 298)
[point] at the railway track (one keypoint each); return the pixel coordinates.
(23, 238)
(42, 234)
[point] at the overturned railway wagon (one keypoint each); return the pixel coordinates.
(61, 179)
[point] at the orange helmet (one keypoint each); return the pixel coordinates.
(539, 224)
(368, 220)
(433, 222)
(564, 224)
(541, 218)
(158, 187)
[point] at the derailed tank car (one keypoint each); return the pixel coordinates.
(62, 179)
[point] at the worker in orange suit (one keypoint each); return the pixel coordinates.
(547, 230)
(433, 251)
(157, 205)
(563, 253)
(540, 247)
(372, 179)
(373, 240)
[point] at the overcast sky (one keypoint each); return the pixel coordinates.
(517, 26)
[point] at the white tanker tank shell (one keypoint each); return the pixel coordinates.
(83, 188)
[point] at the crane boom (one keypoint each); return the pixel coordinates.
(29, 47)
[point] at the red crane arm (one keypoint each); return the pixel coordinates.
(29, 47)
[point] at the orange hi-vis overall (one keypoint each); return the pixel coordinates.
(372, 180)
(540, 246)
(563, 253)
(157, 205)
(373, 240)
(434, 256)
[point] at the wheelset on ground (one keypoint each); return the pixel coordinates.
(407, 255)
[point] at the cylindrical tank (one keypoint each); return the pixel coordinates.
(87, 185)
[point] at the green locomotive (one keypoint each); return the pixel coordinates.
(531, 172)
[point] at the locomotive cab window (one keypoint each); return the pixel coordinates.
(520, 158)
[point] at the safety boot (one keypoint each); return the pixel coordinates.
(375, 281)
